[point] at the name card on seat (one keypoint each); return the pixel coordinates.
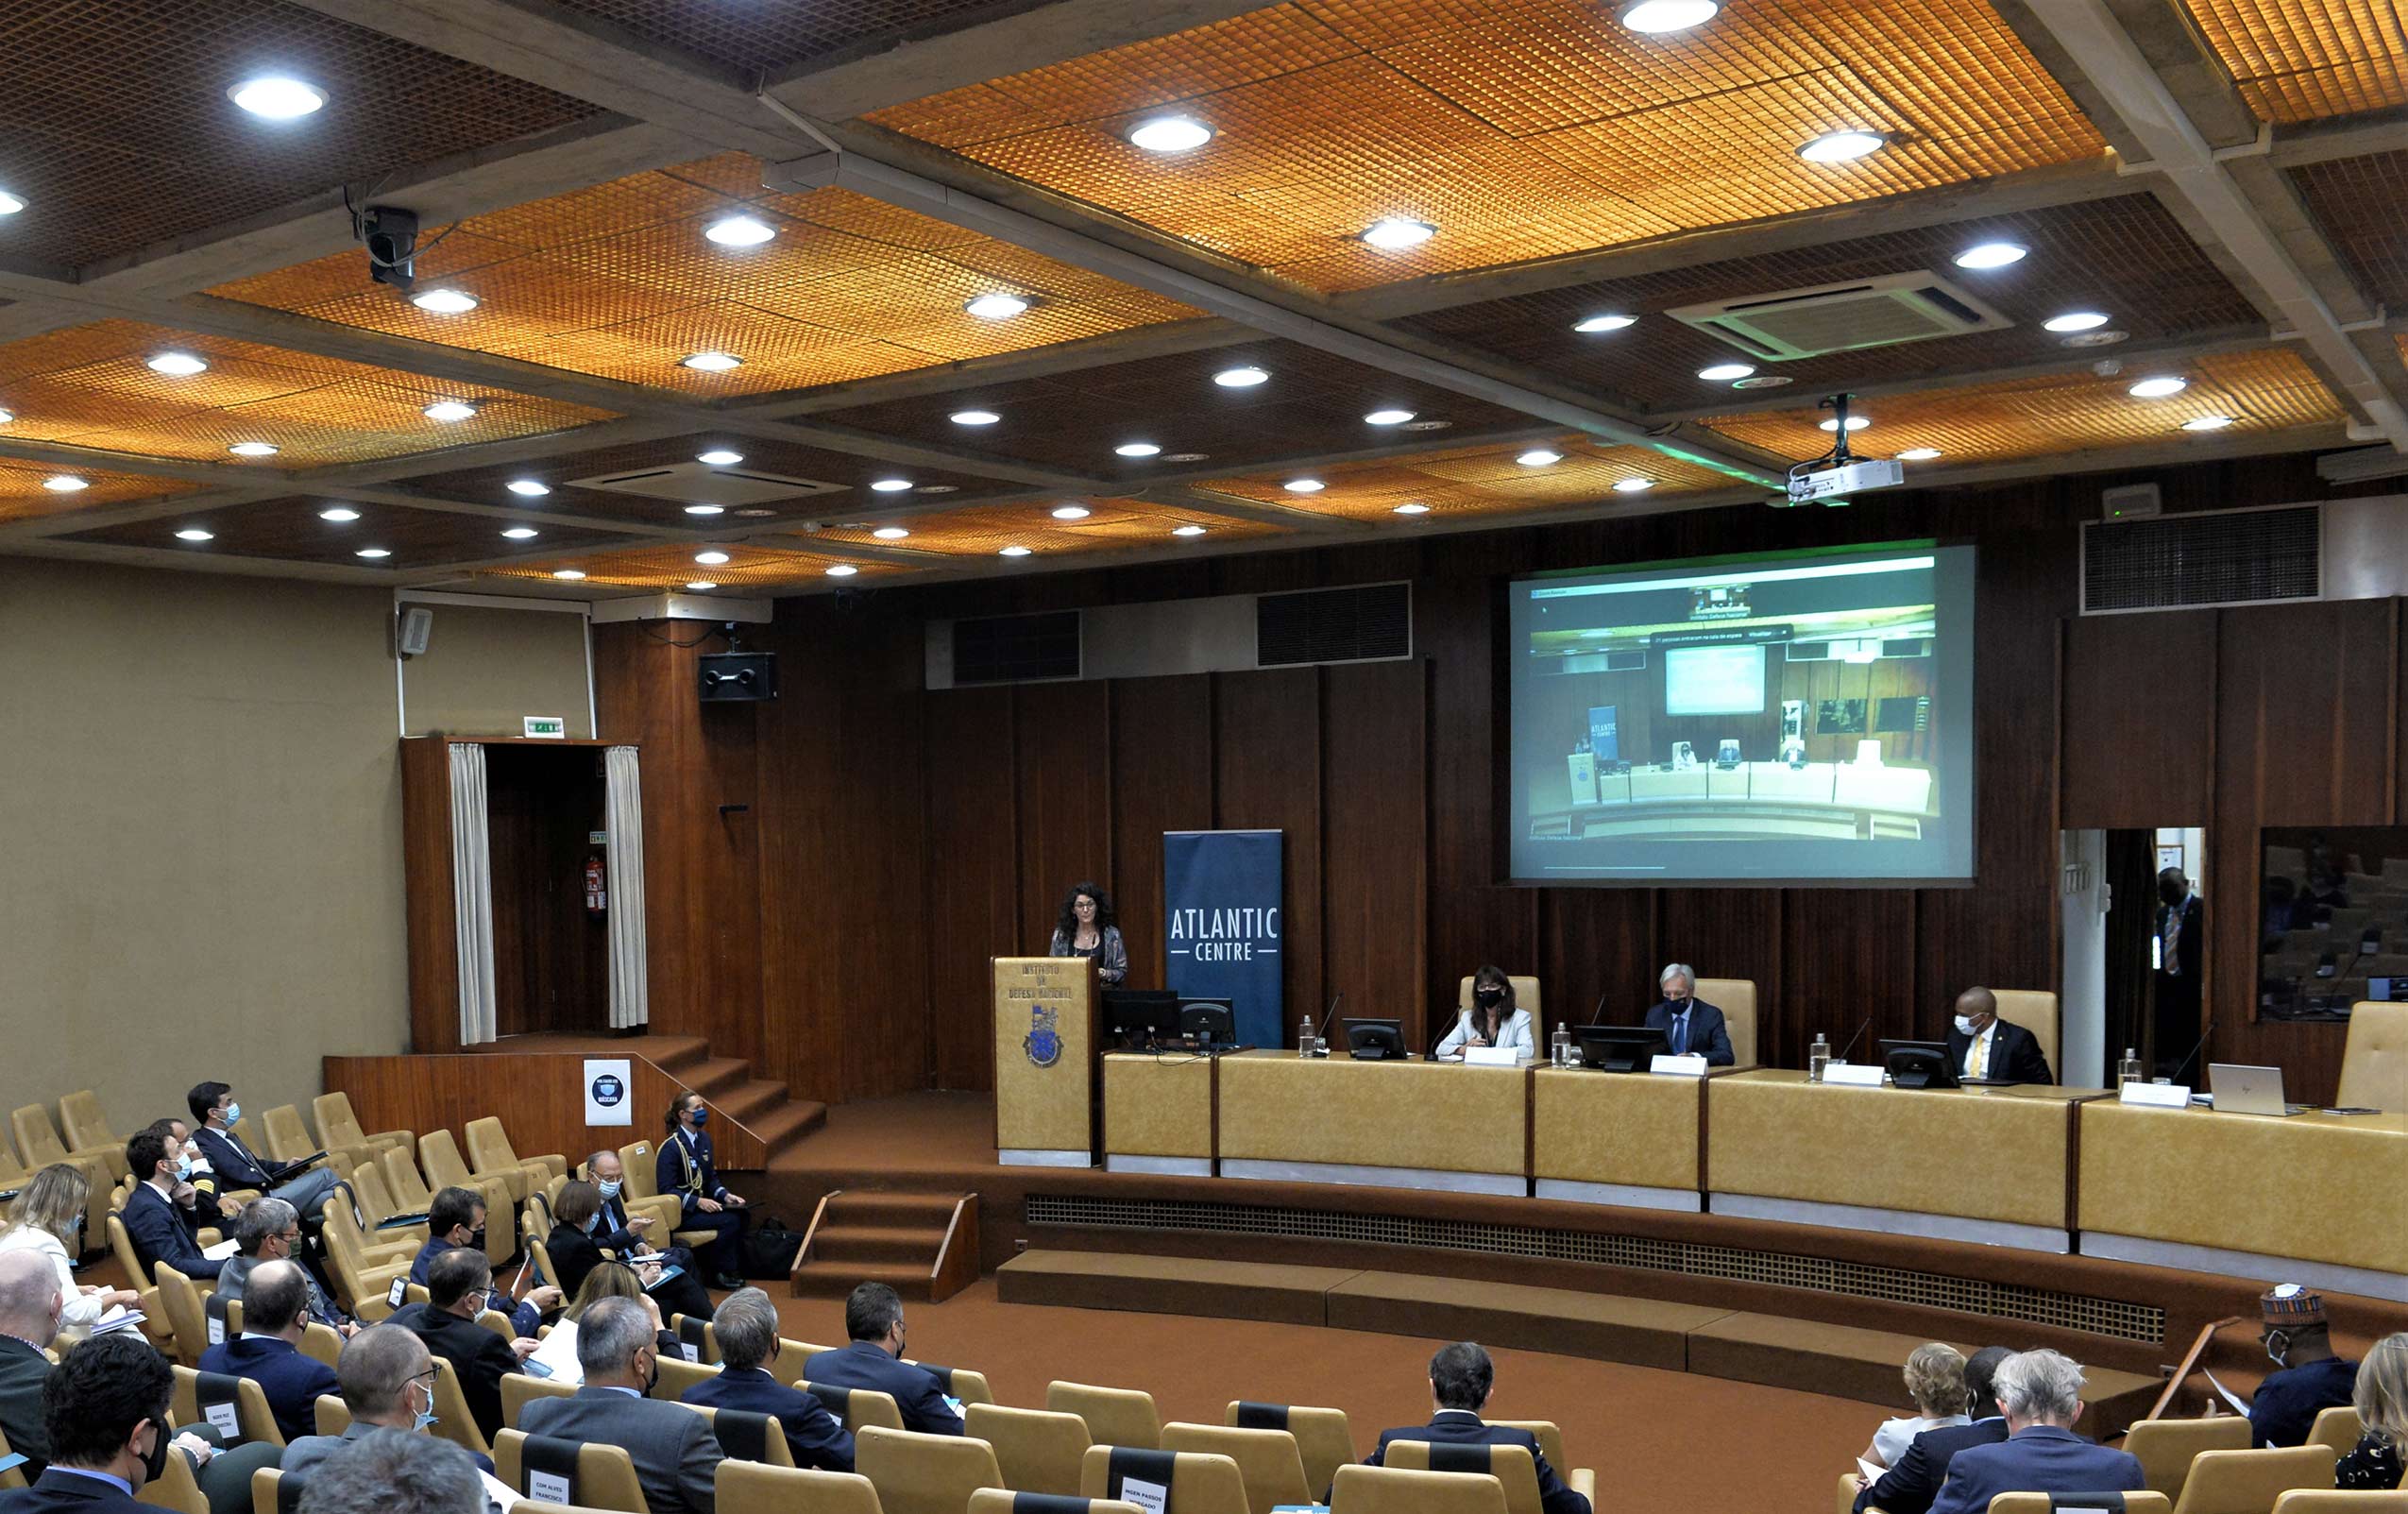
(1849, 1076)
(1491, 1057)
(2154, 1096)
(1692, 1065)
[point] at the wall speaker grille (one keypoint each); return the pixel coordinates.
(1369, 623)
(2192, 561)
(2111, 1317)
(1012, 649)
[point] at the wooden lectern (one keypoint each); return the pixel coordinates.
(1046, 1048)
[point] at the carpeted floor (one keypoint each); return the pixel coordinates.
(1659, 1441)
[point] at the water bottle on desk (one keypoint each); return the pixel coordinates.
(1818, 1057)
(1559, 1049)
(2131, 1071)
(1304, 1036)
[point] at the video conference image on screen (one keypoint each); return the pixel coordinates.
(1794, 720)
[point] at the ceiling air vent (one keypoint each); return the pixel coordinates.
(1016, 649)
(701, 484)
(1372, 624)
(2185, 562)
(1842, 317)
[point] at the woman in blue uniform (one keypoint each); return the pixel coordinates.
(684, 1168)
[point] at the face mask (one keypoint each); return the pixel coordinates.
(233, 1113)
(2276, 1345)
(593, 1223)
(183, 1168)
(1489, 997)
(651, 1379)
(425, 1418)
(1964, 1025)
(610, 1190)
(156, 1462)
(702, 1117)
(477, 1239)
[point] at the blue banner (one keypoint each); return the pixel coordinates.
(1222, 925)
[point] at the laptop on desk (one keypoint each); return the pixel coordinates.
(2238, 1089)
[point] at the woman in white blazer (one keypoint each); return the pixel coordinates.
(44, 1218)
(1492, 1020)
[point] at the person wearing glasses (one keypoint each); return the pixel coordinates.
(387, 1380)
(459, 1286)
(1085, 928)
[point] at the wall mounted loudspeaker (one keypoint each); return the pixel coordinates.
(738, 675)
(417, 627)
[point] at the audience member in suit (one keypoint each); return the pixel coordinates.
(1935, 1377)
(2311, 1379)
(873, 1325)
(31, 1305)
(676, 1455)
(268, 1352)
(387, 1376)
(383, 1473)
(2381, 1399)
(269, 1230)
(457, 1287)
(577, 1219)
(1913, 1480)
(2181, 929)
(1690, 1025)
(621, 1230)
(684, 1168)
(1980, 1045)
(212, 1104)
(1461, 1376)
(48, 1217)
(178, 1137)
(105, 1419)
(2040, 1393)
(1494, 1020)
(747, 1330)
(161, 1216)
(456, 1220)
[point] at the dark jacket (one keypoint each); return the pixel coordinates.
(236, 1164)
(2187, 946)
(63, 1492)
(2041, 1459)
(2014, 1054)
(676, 1456)
(689, 1174)
(236, 1275)
(1909, 1487)
(1709, 1036)
(479, 1358)
(524, 1317)
(2287, 1402)
(164, 1231)
(22, 1370)
(291, 1378)
(1461, 1427)
(817, 1438)
(573, 1254)
(916, 1393)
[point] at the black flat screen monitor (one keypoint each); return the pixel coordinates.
(1375, 1040)
(1919, 1064)
(1620, 1047)
(1212, 1022)
(1138, 1017)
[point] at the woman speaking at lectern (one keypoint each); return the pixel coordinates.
(1086, 929)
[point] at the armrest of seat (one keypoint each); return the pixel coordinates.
(1582, 1480)
(371, 1286)
(207, 1237)
(553, 1163)
(382, 1140)
(113, 1158)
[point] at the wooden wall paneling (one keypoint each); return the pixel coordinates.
(2122, 772)
(1845, 954)
(1267, 776)
(426, 869)
(1734, 933)
(1063, 798)
(1162, 767)
(971, 857)
(1595, 944)
(1374, 857)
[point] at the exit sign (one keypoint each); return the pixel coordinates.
(548, 727)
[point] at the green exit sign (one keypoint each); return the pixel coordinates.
(548, 727)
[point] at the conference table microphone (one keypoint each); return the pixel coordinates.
(1321, 1036)
(1854, 1039)
(2195, 1050)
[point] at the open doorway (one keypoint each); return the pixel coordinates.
(2136, 951)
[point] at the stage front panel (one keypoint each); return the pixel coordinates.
(1614, 1128)
(1158, 1106)
(1422, 1116)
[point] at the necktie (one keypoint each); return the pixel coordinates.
(1981, 1055)
(1680, 1034)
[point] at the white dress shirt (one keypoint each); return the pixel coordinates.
(1513, 1031)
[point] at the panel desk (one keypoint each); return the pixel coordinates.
(1397, 1125)
(1157, 1114)
(1982, 1165)
(1616, 1138)
(2316, 1199)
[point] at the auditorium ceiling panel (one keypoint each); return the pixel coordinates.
(28, 490)
(2360, 204)
(673, 569)
(295, 529)
(2296, 60)
(1517, 479)
(1047, 528)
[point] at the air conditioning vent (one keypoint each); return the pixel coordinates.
(701, 484)
(2181, 561)
(1372, 624)
(1016, 649)
(1844, 317)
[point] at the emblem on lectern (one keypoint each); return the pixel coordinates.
(1043, 1041)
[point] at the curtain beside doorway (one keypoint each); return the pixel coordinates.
(472, 893)
(623, 804)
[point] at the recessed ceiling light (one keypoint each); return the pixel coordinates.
(1393, 233)
(1137, 450)
(890, 486)
(720, 457)
(997, 307)
(975, 418)
(1072, 512)
(1539, 457)
(1170, 133)
(1304, 485)
(2080, 320)
(450, 410)
(372, 552)
(1387, 417)
(195, 534)
(339, 514)
(1413, 507)
(65, 484)
(520, 533)
(710, 558)
(1918, 454)
(1604, 323)
(710, 361)
(277, 98)
(568, 573)
(253, 449)
(2207, 424)
(891, 533)
(1633, 486)
(1725, 373)
(2159, 387)
(1656, 16)
(841, 570)
(7, 416)
(1012, 552)
(1855, 424)
(1842, 146)
(1245, 378)
(444, 301)
(1990, 255)
(706, 509)
(1765, 380)
(739, 231)
(10, 204)
(532, 488)
(177, 364)
(1187, 531)
(701, 584)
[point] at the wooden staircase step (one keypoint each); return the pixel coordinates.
(717, 1076)
(789, 1122)
(752, 1098)
(833, 1280)
(839, 1242)
(888, 1206)
(672, 1054)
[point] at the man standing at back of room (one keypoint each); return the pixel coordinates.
(2175, 980)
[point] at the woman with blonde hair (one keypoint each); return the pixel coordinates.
(1935, 1381)
(47, 1216)
(610, 1280)
(2382, 1401)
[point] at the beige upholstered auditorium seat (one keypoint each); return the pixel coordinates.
(967, 1385)
(85, 1127)
(786, 1366)
(677, 1375)
(1525, 998)
(2036, 1011)
(2141, 1502)
(1548, 1435)
(1201, 1483)
(250, 1407)
(364, 1267)
(38, 1141)
(174, 1489)
(2166, 1447)
(1324, 1440)
(439, 1154)
(1510, 1465)
(288, 1140)
(518, 1389)
(1267, 1460)
(452, 1420)
(1736, 999)
(15, 1477)
(2374, 1063)
(1395, 1490)
(489, 1149)
(180, 1301)
(2248, 1482)
(863, 1408)
(998, 1501)
(642, 1177)
(2337, 1427)
(606, 1474)
(2334, 1500)
(917, 1473)
(319, 1342)
(334, 1415)
(1039, 1450)
(751, 1487)
(775, 1451)
(1114, 1416)
(338, 1126)
(403, 1181)
(377, 1203)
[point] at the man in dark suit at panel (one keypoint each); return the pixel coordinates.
(457, 1284)
(2040, 1393)
(2181, 929)
(1460, 1378)
(676, 1456)
(268, 1352)
(1909, 1487)
(746, 1328)
(105, 1416)
(1689, 1024)
(1980, 1045)
(873, 1324)
(161, 1216)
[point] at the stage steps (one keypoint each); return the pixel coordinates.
(756, 1117)
(924, 1245)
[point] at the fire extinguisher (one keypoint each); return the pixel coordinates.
(597, 895)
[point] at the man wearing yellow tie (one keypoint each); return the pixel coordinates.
(1982, 1046)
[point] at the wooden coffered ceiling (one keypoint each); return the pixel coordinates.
(1201, 331)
